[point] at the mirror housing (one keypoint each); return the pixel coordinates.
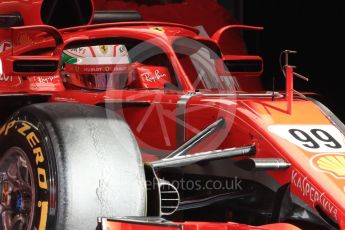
(246, 66)
(30, 65)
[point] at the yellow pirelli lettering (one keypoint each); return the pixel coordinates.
(25, 127)
(42, 178)
(39, 155)
(3, 128)
(32, 139)
(44, 214)
(6, 127)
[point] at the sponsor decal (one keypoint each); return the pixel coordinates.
(44, 205)
(5, 78)
(41, 83)
(312, 138)
(9, 81)
(157, 75)
(88, 69)
(333, 164)
(45, 79)
(26, 130)
(312, 194)
(29, 133)
(6, 128)
(79, 50)
(96, 69)
(97, 51)
(76, 52)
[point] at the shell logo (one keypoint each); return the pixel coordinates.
(333, 164)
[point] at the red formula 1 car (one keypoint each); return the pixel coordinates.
(129, 123)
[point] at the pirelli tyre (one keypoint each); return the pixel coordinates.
(63, 165)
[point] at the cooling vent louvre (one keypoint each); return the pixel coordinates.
(170, 198)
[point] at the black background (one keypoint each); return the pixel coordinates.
(314, 29)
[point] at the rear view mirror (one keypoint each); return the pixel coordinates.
(230, 39)
(31, 65)
(248, 66)
(10, 20)
(187, 46)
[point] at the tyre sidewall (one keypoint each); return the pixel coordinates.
(25, 132)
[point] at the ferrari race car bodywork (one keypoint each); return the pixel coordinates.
(198, 114)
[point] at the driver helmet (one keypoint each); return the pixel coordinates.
(97, 67)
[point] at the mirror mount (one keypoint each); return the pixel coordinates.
(219, 33)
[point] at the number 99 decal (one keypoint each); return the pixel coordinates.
(312, 138)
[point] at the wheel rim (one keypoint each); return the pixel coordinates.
(17, 190)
